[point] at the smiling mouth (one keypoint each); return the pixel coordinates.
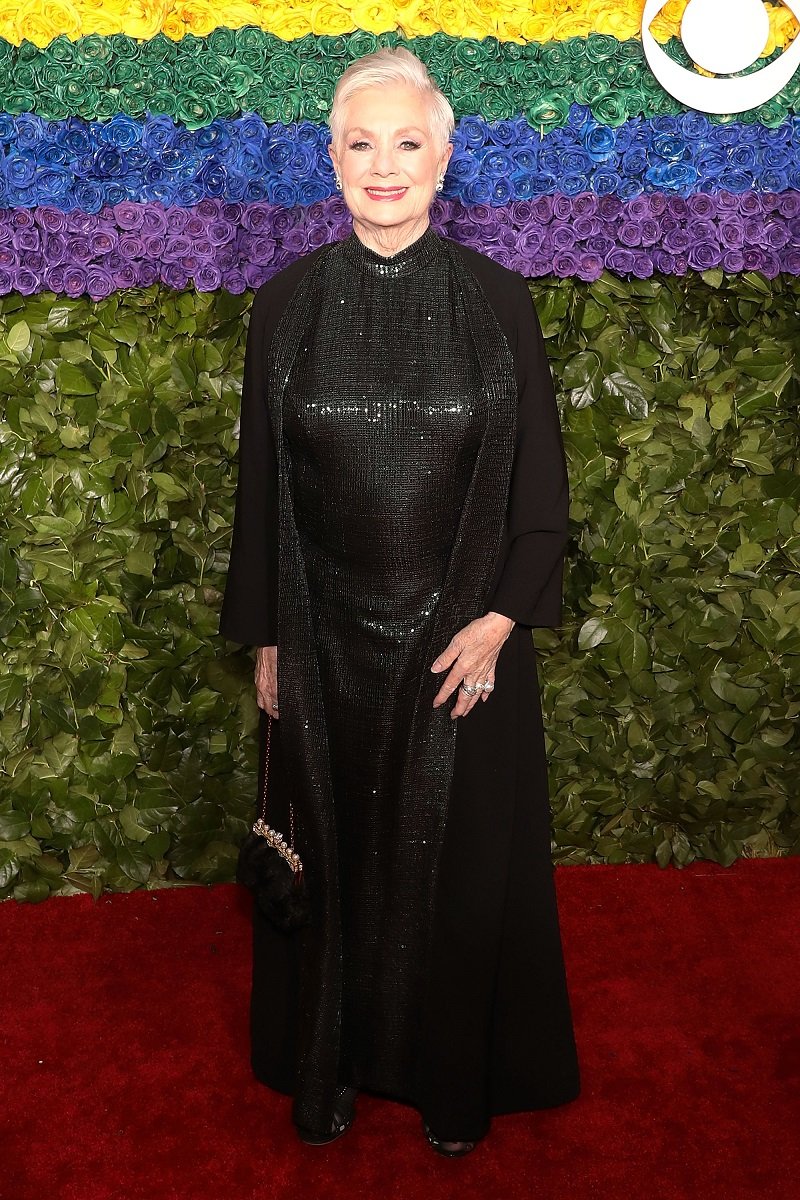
(386, 193)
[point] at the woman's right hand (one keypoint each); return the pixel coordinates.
(267, 679)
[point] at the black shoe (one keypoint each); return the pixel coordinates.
(343, 1116)
(449, 1149)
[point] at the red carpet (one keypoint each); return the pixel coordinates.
(126, 1077)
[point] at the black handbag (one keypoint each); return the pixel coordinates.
(271, 868)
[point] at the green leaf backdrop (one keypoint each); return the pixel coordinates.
(670, 693)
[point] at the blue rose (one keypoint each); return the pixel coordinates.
(472, 132)
(600, 142)
(87, 195)
(733, 180)
(478, 191)
(157, 134)
(670, 146)
(634, 162)
(107, 163)
(281, 192)
(672, 177)
(463, 167)
(543, 183)
(711, 161)
(311, 190)
(121, 131)
(497, 164)
(212, 178)
(605, 182)
(214, 137)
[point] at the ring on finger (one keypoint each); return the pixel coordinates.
(470, 688)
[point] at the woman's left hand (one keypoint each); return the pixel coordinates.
(472, 655)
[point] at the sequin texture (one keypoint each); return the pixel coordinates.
(393, 404)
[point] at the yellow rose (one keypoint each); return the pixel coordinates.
(174, 27)
(375, 16)
(40, 22)
(101, 18)
(417, 18)
(536, 27)
(330, 18)
(142, 18)
(288, 23)
(461, 19)
(199, 16)
(509, 28)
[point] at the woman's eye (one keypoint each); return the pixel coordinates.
(408, 142)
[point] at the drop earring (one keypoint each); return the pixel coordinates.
(440, 184)
(338, 183)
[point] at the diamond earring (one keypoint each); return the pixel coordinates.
(440, 184)
(338, 183)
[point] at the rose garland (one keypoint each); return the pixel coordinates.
(40, 21)
(237, 246)
(247, 70)
(73, 165)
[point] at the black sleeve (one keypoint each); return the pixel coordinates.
(529, 589)
(250, 606)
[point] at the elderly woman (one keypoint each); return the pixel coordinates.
(401, 520)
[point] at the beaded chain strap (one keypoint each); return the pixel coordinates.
(272, 836)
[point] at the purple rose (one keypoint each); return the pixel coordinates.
(54, 278)
(733, 261)
(750, 204)
(585, 205)
(731, 232)
(296, 240)
(542, 208)
(676, 240)
(74, 281)
(131, 246)
(51, 219)
(629, 233)
(704, 255)
(775, 234)
(99, 283)
(174, 275)
(620, 261)
(590, 266)
(128, 215)
(701, 205)
(124, 276)
(55, 248)
(155, 220)
(585, 227)
(663, 262)
(176, 219)
(609, 207)
(79, 249)
(234, 282)
(563, 237)
(154, 246)
(25, 281)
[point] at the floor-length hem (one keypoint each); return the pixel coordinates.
(496, 1032)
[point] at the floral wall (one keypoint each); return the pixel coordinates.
(159, 162)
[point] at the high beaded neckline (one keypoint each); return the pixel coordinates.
(411, 258)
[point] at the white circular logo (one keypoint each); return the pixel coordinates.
(722, 36)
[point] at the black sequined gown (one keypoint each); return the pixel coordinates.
(383, 415)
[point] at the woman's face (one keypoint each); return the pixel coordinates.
(387, 160)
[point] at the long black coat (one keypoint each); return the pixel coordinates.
(497, 1032)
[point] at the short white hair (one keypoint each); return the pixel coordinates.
(392, 65)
